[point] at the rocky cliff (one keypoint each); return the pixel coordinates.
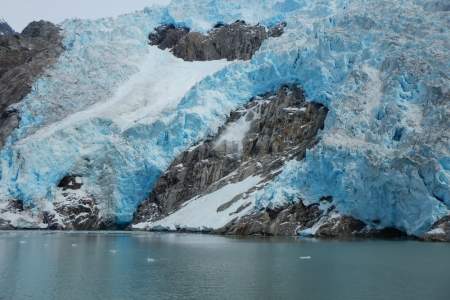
(5, 29)
(256, 141)
(225, 41)
(23, 58)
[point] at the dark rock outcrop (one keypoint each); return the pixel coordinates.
(23, 58)
(5, 29)
(72, 182)
(296, 219)
(77, 214)
(230, 41)
(340, 227)
(167, 36)
(275, 222)
(74, 209)
(440, 232)
(281, 126)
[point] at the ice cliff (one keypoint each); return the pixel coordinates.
(114, 112)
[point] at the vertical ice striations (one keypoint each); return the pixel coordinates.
(381, 67)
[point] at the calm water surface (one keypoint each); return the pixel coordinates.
(123, 265)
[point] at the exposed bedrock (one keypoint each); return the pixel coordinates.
(23, 58)
(225, 41)
(309, 221)
(440, 231)
(5, 29)
(74, 209)
(256, 140)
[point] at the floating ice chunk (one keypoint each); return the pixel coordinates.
(150, 260)
(305, 257)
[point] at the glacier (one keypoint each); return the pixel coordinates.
(116, 111)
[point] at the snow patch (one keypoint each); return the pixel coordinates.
(436, 231)
(201, 213)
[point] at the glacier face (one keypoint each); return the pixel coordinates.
(381, 67)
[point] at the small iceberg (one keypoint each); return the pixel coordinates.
(305, 257)
(150, 260)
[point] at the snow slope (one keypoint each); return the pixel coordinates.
(381, 67)
(204, 212)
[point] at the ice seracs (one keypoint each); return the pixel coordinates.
(378, 66)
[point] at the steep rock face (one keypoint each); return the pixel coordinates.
(274, 222)
(230, 41)
(440, 231)
(305, 220)
(76, 213)
(24, 57)
(5, 29)
(256, 140)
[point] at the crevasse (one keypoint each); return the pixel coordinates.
(381, 67)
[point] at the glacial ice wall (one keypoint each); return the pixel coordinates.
(381, 67)
(98, 113)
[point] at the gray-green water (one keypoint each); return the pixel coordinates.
(48, 265)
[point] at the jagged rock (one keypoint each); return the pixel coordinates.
(15, 205)
(230, 41)
(24, 57)
(5, 29)
(310, 221)
(340, 227)
(75, 213)
(281, 126)
(440, 231)
(167, 36)
(275, 222)
(277, 30)
(71, 182)
(46, 31)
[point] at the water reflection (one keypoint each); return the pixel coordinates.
(41, 265)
